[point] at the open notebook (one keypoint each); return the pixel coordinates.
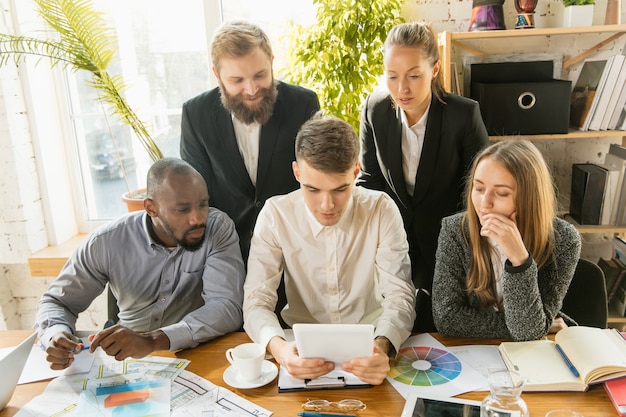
(596, 355)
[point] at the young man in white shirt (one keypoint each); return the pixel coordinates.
(344, 255)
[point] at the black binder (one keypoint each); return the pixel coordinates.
(588, 184)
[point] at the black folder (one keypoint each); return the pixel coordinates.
(588, 184)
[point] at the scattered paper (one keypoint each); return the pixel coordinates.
(37, 368)
(190, 395)
(483, 358)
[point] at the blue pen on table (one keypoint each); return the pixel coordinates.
(570, 365)
(310, 414)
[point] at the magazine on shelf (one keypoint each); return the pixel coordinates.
(586, 92)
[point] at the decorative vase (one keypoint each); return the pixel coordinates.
(574, 16)
(134, 199)
(487, 15)
(525, 14)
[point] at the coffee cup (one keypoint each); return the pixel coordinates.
(247, 359)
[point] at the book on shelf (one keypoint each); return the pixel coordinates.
(587, 192)
(578, 356)
(616, 157)
(621, 120)
(616, 391)
(610, 194)
(614, 273)
(615, 93)
(585, 92)
(619, 109)
(604, 97)
(617, 120)
(615, 162)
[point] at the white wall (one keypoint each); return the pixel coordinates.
(24, 229)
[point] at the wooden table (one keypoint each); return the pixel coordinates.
(208, 361)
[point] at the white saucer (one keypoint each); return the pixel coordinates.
(268, 373)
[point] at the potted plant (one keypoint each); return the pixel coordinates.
(578, 13)
(340, 57)
(82, 42)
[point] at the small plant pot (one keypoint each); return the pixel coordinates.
(134, 199)
(575, 16)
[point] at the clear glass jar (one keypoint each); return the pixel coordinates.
(505, 395)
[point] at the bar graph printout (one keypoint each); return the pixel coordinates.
(190, 395)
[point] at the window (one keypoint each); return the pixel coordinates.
(274, 16)
(163, 57)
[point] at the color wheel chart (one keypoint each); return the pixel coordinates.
(425, 366)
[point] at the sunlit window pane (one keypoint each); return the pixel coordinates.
(162, 55)
(274, 17)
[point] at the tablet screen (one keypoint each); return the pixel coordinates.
(445, 407)
(425, 407)
(334, 342)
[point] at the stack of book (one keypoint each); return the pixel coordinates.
(598, 100)
(598, 193)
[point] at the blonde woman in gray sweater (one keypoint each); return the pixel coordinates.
(504, 265)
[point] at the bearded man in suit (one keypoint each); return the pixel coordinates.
(240, 135)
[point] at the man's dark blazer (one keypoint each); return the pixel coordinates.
(455, 132)
(209, 144)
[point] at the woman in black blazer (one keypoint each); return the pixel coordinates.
(417, 145)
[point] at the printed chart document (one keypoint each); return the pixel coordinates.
(147, 397)
(138, 387)
(596, 355)
(425, 366)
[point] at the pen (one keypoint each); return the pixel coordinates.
(567, 361)
(84, 348)
(309, 414)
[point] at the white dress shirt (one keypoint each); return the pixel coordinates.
(357, 271)
(412, 145)
(248, 144)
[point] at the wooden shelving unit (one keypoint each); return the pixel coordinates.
(465, 41)
(478, 43)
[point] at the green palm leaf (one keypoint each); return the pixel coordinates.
(82, 42)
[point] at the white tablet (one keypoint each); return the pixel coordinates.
(418, 406)
(334, 342)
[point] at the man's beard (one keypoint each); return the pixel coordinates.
(260, 113)
(184, 243)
